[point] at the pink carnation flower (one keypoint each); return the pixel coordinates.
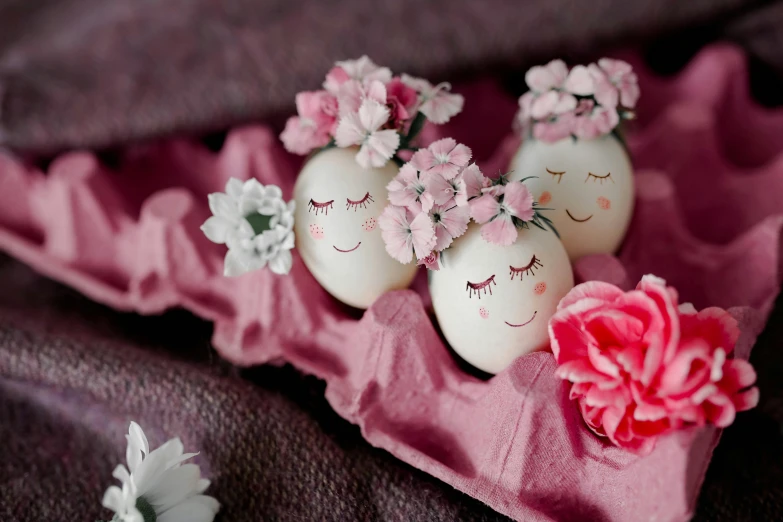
(498, 216)
(436, 102)
(363, 128)
(641, 366)
(406, 233)
(352, 94)
(408, 190)
(621, 75)
(362, 70)
(542, 78)
(445, 157)
(449, 221)
(313, 127)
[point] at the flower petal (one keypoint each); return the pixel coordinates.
(224, 206)
(579, 81)
(234, 264)
(519, 201)
(423, 235)
(500, 231)
(198, 508)
(373, 115)
(281, 263)
(349, 131)
(217, 229)
(442, 107)
(484, 208)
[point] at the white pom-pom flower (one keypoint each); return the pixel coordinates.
(157, 487)
(255, 223)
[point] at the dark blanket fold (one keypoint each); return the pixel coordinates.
(92, 73)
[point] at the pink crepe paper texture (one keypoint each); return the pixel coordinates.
(708, 219)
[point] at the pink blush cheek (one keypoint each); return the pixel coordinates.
(316, 232)
(483, 312)
(540, 288)
(604, 203)
(545, 198)
(369, 224)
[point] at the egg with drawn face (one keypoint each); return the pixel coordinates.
(589, 186)
(336, 227)
(493, 303)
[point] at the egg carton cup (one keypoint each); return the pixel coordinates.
(708, 219)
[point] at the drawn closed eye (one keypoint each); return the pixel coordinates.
(479, 288)
(556, 174)
(366, 200)
(314, 206)
(598, 178)
(529, 269)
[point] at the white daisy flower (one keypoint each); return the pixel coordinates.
(158, 487)
(255, 223)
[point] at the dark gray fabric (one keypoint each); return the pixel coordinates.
(73, 374)
(93, 73)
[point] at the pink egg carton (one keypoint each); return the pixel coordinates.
(708, 219)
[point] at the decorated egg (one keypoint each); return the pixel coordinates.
(589, 185)
(493, 302)
(337, 234)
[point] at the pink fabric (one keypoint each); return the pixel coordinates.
(708, 220)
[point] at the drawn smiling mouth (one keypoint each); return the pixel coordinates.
(578, 220)
(346, 251)
(523, 324)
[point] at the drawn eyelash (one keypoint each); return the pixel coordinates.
(320, 207)
(478, 288)
(554, 173)
(601, 178)
(529, 270)
(366, 200)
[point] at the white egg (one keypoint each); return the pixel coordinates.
(588, 183)
(493, 303)
(337, 234)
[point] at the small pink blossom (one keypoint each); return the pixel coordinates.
(363, 128)
(497, 216)
(445, 157)
(431, 262)
(405, 233)
(606, 94)
(314, 124)
(542, 78)
(640, 366)
(621, 75)
(449, 222)
(558, 101)
(436, 102)
(580, 81)
(408, 190)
